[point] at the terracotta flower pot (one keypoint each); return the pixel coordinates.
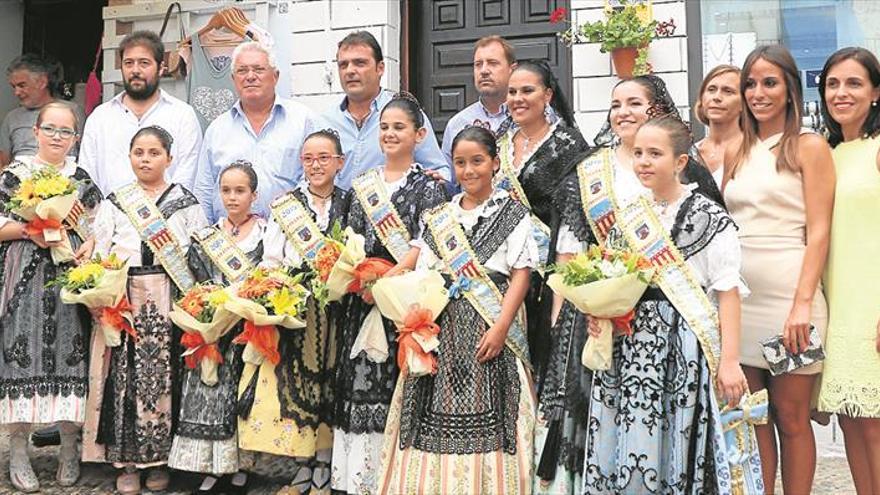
(624, 61)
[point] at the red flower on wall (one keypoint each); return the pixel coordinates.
(558, 15)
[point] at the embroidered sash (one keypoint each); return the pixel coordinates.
(596, 181)
(298, 226)
(645, 233)
(224, 253)
(470, 275)
(154, 232)
(508, 179)
(383, 216)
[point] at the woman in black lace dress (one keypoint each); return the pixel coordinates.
(538, 161)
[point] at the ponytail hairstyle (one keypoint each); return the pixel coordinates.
(408, 103)
(159, 133)
(779, 56)
(331, 135)
(245, 167)
(479, 135)
(558, 102)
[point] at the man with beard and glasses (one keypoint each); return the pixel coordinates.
(109, 129)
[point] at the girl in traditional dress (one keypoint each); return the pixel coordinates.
(780, 192)
(43, 373)
(386, 205)
(850, 90)
(205, 440)
(468, 428)
(654, 419)
(538, 160)
(148, 223)
(289, 416)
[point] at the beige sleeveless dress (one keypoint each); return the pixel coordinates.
(768, 207)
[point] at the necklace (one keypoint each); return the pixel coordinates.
(236, 229)
(313, 193)
(528, 139)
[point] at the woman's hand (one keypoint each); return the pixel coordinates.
(491, 344)
(731, 381)
(84, 253)
(593, 327)
(796, 333)
(367, 296)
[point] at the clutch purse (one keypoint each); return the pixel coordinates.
(781, 361)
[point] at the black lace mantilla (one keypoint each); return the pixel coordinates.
(698, 221)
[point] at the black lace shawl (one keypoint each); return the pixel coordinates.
(339, 205)
(549, 179)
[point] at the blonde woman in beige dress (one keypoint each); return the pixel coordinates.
(780, 192)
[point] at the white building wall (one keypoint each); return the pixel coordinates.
(593, 74)
(318, 25)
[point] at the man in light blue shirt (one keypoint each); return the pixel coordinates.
(360, 64)
(262, 128)
(494, 61)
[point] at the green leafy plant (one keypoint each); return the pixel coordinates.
(622, 28)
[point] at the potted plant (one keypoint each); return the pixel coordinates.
(624, 33)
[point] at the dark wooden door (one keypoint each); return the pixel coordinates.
(441, 47)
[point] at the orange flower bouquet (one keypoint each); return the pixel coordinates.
(325, 260)
(267, 299)
(44, 201)
(99, 285)
(203, 316)
(605, 284)
(413, 301)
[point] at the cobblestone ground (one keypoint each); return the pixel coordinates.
(832, 474)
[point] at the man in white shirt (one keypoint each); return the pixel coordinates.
(262, 128)
(107, 136)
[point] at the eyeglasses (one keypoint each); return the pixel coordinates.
(52, 131)
(322, 160)
(243, 70)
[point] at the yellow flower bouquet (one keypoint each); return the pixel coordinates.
(44, 200)
(267, 299)
(203, 316)
(413, 301)
(99, 285)
(605, 284)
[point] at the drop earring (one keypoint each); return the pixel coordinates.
(874, 103)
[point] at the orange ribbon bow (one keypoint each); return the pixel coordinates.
(367, 272)
(112, 316)
(421, 322)
(624, 323)
(202, 350)
(263, 337)
(38, 225)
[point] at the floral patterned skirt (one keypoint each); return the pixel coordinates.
(653, 422)
(43, 373)
(129, 414)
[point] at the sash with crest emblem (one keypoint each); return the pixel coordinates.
(224, 253)
(154, 232)
(298, 226)
(471, 277)
(383, 216)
